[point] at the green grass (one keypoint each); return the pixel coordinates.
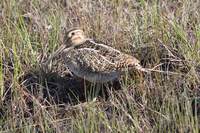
(165, 33)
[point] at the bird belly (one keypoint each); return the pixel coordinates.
(90, 75)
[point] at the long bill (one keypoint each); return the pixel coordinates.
(57, 52)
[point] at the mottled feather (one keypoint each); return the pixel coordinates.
(95, 62)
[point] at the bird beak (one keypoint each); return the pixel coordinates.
(57, 52)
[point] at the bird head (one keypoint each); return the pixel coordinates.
(74, 37)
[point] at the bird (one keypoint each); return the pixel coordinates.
(92, 61)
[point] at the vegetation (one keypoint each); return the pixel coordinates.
(161, 34)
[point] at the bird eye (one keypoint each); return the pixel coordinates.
(73, 33)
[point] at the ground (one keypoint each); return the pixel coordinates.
(164, 35)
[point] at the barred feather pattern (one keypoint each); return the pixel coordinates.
(97, 62)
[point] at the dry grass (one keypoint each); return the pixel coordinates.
(164, 33)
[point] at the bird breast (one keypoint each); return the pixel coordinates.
(76, 66)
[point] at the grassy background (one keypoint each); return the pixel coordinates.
(164, 33)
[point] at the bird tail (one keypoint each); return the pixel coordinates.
(147, 70)
(140, 68)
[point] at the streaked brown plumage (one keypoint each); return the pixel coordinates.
(93, 61)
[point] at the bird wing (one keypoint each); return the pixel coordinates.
(90, 60)
(103, 49)
(120, 59)
(95, 61)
